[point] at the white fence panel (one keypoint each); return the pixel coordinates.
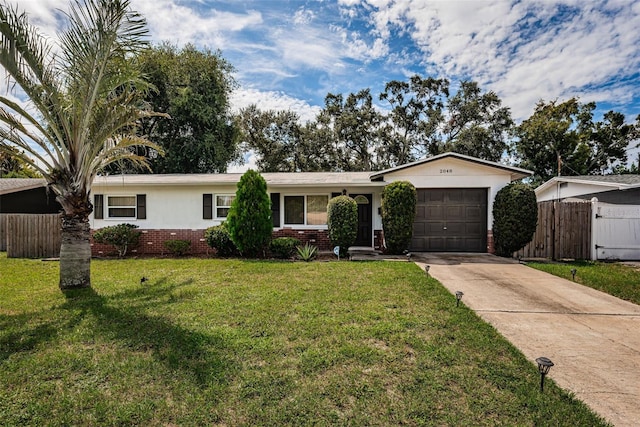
(616, 231)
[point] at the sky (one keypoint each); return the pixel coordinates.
(290, 54)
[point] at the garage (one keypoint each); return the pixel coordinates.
(450, 220)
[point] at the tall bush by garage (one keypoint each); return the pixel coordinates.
(249, 219)
(515, 216)
(342, 213)
(398, 214)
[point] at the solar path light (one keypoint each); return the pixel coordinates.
(458, 297)
(573, 273)
(544, 364)
(426, 269)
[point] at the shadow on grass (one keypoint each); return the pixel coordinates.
(121, 318)
(200, 356)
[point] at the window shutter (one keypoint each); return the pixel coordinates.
(207, 206)
(275, 209)
(141, 205)
(98, 206)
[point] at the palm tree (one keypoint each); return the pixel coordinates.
(85, 95)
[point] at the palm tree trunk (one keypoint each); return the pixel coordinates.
(75, 253)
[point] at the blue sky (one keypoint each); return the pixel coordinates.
(290, 54)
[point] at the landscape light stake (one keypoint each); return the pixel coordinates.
(573, 273)
(544, 364)
(458, 297)
(426, 269)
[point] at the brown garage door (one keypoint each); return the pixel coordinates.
(450, 220)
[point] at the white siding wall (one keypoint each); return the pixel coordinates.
(560, 191)
(180, 207)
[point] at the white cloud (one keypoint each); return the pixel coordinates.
(170, 20)
(270, 100)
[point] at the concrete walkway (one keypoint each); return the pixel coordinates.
(592, 337)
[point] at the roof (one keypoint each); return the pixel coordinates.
(14, 185)
(614, 182)
(516, 173)
(274, 179)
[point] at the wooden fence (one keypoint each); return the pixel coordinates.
(31, 235)
(3, 232)
(563, 231)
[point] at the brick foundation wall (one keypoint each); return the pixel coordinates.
(152, 243)
(490, 244)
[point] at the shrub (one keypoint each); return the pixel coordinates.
(307, 252)
(515, 216)
(284, 247)
(178, 247)
(218, 238)
(249, 218)
(122, 236)
(343, 222)
(398, 214)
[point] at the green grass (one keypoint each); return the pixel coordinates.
(232, 342)
(619, 280)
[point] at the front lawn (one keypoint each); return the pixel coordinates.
(616, 279)
(232, 342)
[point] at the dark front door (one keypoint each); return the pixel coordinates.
(365, 224)
(450, 220)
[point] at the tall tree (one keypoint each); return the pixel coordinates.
(192, 87)
(476, 125)
(562, 139)
(12, 166)
(416, 112)
(87, 96)
(354, 124)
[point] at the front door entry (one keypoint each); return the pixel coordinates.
(365, 214)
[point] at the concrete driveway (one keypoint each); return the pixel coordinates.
(592, 337)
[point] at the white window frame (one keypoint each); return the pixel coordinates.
(216, 206)
(108, 207)
(305, 223)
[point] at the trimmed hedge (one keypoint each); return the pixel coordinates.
(249, 219)
(342, 220)
(515, 216)
(122, 236)
(284, 247)
(218, 238)
(398, 214)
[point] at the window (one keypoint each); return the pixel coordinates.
(317, 210)
(223, 203)
(121, 206)
(305, 210)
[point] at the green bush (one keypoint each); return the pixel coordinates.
(398, 214)
(284, 247)
(249, 218)
(307, 252)
(122, 236)
(218, 238)
(515, 216)
(178, 247)
(343, 222)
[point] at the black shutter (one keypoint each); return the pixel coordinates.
(207, 206)
(98, 206)
(141, 205)
(275, 209)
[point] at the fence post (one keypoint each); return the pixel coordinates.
(594, 229)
